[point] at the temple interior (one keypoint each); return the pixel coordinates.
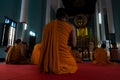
(96, 22)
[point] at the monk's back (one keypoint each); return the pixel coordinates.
(100, 56)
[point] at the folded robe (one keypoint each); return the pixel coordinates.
(55, 55)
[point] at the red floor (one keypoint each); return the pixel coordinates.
(86, 71)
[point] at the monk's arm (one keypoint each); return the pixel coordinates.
(73, 37)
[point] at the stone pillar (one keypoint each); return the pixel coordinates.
(110, 16)
(24, 31)
(23, 17)
(56, 4)
(48, 11)
(102, 25)
(23, 13)
(97, 23)
(111, 27)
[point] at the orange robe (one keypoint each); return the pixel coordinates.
(100, 56)
(14, 55)
(35, 54)
(55, 55)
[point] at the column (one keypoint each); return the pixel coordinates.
(97, 23)
(56, 4)
(23, 13)
(23, 17)
(110, 16)
(102, 26)
(111, 28)
(48, 11)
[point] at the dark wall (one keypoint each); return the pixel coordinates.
(116, 17)
(35, 16)
(10, 8)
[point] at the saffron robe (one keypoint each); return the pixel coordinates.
(100, 56)
(55, 54)
(36, 54)
(14, 55)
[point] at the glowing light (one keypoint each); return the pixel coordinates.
(32, 33)
(25, 26)
(100, 18)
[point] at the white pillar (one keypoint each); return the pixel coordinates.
(23, 17)
(97, 23)
(24, 31)
(56, 4)
(23, 13)
(59, 4)
(48, 7)
(110, 16)
(102, 24)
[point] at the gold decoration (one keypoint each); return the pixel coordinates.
(80, 21)
(82, 32)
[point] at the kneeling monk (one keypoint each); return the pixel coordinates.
(100, 55)
(35, 54)
(55, 54)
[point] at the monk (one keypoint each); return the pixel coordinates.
(114, 53)
(36, 54)
(15, 55)
(100, 55)
(55, 54)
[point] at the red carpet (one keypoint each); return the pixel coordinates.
(86, 71)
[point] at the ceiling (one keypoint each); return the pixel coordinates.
(75, 7)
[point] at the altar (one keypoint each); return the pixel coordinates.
(85, 44)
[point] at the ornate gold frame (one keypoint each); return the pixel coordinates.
(80, 21)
